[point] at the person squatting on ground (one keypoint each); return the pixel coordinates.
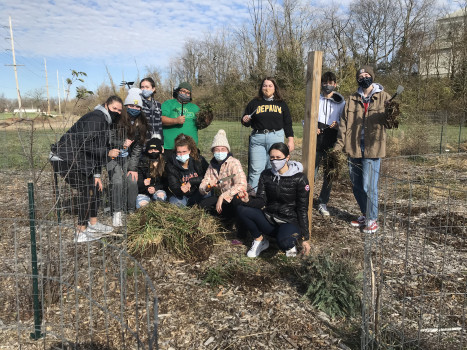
(129, 136)
(224, 178)
(269, 116)
(151, 174)
(185, 169)
(362, 136)
(79, 156)
(151, 108)
(331, 105)
(179, 116)
(283, 192)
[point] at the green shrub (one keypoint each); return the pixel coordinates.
(331, 285)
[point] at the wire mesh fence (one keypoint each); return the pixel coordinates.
(415, 276)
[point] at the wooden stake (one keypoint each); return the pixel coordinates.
(47, 86)
(313, 87)
(58, 93)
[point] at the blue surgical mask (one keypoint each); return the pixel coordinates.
(133, 112)
(278, 164)
(146, 93)
(220, 156)
(182, 158)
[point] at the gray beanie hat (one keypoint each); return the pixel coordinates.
(366, 69)
(134, 97)
(220, 140)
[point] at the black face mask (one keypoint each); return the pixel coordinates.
(154, 156)
(365, 82)
(113, 115)
(327, 89)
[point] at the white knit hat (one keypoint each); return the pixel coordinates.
(134, 97)
(220, 140)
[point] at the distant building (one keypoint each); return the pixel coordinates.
(444, 55)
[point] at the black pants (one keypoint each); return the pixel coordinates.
(229, 210)
(88, 193)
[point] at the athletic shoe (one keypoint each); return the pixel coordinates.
(292, 252)
(117, 219)
(371, 227)
(323, 210)
(359, 222)
(98, 227)
(86, 236)
(257, 247)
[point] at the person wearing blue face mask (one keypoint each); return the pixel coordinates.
(129, 136)
(280, 208)
(224, 178)
(151, 108)
(185, 169)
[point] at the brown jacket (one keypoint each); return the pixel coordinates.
(375, 124)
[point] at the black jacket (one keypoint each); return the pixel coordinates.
(285, 197)
(159, 183)
(176, 174)
(86, 143)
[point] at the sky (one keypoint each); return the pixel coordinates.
(90, 35)
(86, 35)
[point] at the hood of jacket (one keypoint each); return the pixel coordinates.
(335, 97)
(294, 168)
(105, 111)
(376, 88)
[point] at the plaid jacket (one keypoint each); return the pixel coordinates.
(230, 187)
(152, 108)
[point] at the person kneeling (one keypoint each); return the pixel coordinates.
(151, 174)
(224, 178)
(283, 192)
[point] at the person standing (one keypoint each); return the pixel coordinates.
(269, 116)
(79, 156)
(331, 105)
(151, 108)
(362, 136)
(179, 116)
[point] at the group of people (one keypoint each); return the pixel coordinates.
(150, 152)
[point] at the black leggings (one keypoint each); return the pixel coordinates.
(88, 193)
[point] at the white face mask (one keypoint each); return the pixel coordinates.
(278, 164)
(220, 156)
(183, 157)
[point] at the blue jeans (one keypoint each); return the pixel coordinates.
(327, 185)
(143, 199)
(188, 201)
(258, 153)
(254, 220)
(364, 174)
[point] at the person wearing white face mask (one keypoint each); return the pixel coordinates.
(185, 169)
(224, 178)
(280, 208)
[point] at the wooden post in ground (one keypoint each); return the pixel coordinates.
(313, 87)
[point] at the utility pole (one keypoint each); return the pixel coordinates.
(58, 92)
(47, 86)
(14, 67)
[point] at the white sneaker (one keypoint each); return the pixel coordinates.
(98, 227)
(86, 236)
(323, 210)
(292, 252)
(257, 247)
(117, 219)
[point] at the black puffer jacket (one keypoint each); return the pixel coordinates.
(86, 143)
(144, 172)
(176, 174)
(286, 196)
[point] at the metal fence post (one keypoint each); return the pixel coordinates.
(35, 284)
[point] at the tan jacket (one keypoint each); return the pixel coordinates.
(375, 124)
(230, 187)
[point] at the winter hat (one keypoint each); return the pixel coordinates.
(220, 140)
(134, 97)
(154, 143)
(366, 69)
(185, 85)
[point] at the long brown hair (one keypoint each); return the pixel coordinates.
(185, 140)
(158, 170)
(140, 125)
(277, 90)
